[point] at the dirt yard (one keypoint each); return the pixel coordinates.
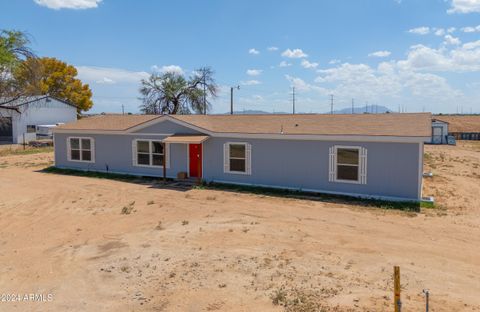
(103, 245)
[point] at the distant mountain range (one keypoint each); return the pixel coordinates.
(254, 112)
(372, 109)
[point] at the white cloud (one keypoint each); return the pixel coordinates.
(306, 64)
(254, 72)
(421, 57)
(253, 51)
(68, 4)
(451, 30)
(461, 58)
(387, 83)
(449, 39)
(295, 53)
(420, 30)
(250, 83)
(380, 53)
(334, 61)
(464, 6)
(299, 83)
(361, 81)
(439, 31)
(106, 80)
(168, 69)
(107, 75)
(284, 64)
(470, 29)
(271, 49)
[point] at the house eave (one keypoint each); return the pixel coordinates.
(304, 137)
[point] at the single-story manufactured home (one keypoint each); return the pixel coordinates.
(20, 118)
(461, 127)
(368, 155)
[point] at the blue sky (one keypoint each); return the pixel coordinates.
(407, 54)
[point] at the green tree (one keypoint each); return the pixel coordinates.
(172, 93)
(51, 76)
(14, 49)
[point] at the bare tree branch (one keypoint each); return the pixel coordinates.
(171, 93)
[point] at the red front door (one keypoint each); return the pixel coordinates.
(195, 156)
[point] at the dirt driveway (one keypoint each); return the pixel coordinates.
(204, 250)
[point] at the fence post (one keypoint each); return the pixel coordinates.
(396, 289)
(427, 299)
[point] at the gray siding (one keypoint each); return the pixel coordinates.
(392, 168)
(115, 151)
(167, 127)
(392, 171)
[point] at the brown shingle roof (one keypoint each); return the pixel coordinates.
(109, 122)
(360, 124)
(461, 123)
(414, 125)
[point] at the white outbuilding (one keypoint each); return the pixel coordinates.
(20, 118)
(439, 131)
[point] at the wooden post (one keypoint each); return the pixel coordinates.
(24, 141)
(396, 289)
(163, 164)
(199, 165)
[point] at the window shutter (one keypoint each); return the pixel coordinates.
(248, 160)
(92, 149)
(363, 165)
(226, 160)
(69, 150)
(167, 154)
(331, 164)
(134, 152)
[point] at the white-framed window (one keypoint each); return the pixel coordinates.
(31, 129)
(237, 158)
(348, 164)
(149, 153)
(81, 149)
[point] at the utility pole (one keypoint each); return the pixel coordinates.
(366, 107)
(204, 95)
(353, 107)
(331, 104)
(231, 98)
(293, 100)
(123, 110)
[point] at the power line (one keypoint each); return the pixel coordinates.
(204, 94)
(231, 98)
(293, 100)
(331, 104)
